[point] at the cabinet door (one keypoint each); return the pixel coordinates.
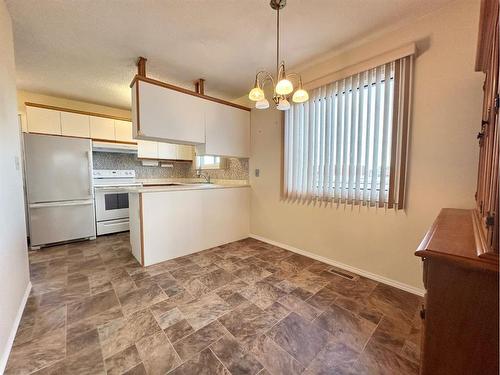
(184, 152)
(167, 151)
(102, 128)
(123, 131)
(169, 115)
(45, 121)
(227, 131)
(75, 125)
(147, 149)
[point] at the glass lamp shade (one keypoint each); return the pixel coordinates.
(284, 87)
(283, 105)
(262, 104)
(256, 94)
(300, 96)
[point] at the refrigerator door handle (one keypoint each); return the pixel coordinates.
(58, 204)
(89, 159)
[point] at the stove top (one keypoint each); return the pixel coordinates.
(114, 177)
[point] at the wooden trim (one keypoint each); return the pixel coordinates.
(184, 91)
(137, 113)
(141, 66)
(38, 105)
(141, 221)
(90, 139)
(199, 86)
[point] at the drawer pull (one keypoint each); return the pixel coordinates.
(422, 313)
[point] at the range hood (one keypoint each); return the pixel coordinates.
(122, 148)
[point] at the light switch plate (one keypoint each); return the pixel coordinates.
(257, 172)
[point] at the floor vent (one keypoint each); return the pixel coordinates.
(342, 274)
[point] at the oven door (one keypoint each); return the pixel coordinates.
(111, 204)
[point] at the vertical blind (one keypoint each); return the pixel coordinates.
(348, 143)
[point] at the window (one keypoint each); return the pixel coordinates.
(348, 143)
(208, 162)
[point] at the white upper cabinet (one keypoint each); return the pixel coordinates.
(102, 128)
(184, 152)
(167, 151)
(162, 113)
(227, 131)
(147, 149)
(75, 125)
(42, 120)
(167, 115)
(123, 131)
(163, 151)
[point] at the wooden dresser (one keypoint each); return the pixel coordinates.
(460, 315)
(460, 251)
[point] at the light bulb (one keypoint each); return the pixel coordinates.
(262, 104)
(300, 96)
(256, 94)
(283, 105)
(284, 87)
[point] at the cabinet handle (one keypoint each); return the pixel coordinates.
(422, 313)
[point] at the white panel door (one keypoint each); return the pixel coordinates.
(227, 131)
(184, 152)
(170, 115)
(147, 149)
(75, 125)
(45, 121)
(102, 128)
(123, 131)
(167, 151)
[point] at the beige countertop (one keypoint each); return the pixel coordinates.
(180, 187)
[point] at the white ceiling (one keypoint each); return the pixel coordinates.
(87, 49)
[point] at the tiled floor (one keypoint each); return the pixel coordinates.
(242, 308)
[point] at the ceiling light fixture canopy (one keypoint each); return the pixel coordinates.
(284, 86)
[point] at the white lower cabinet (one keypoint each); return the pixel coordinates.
(44, 121)
(170, 218)
(75, 125)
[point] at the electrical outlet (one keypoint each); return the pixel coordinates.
(257, 172)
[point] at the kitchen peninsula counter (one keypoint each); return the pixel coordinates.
(167, 222)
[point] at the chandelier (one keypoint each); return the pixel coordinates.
(283, 87)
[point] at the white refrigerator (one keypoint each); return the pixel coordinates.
(59, 188)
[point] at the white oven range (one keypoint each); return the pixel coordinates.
(111, 199)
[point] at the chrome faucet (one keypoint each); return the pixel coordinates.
(205, 176)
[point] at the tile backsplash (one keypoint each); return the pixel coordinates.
(235, 169)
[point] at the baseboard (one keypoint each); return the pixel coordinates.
(13, 331)
(369, 275)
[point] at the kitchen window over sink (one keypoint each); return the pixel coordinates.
(209, 162)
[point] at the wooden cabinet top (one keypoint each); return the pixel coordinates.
(455, 236)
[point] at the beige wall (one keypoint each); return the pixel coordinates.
(14, 273)
(26, 96)
(442, 155)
